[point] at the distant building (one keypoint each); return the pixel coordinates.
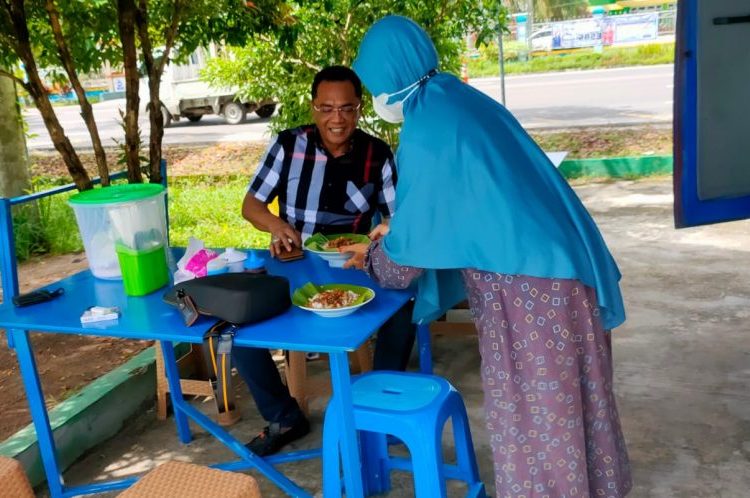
(630, 6)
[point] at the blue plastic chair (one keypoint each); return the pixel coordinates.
(413, 408)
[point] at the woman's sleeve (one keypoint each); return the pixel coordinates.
(386, 272)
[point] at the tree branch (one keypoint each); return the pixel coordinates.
(443, 6)
(87, 112)
(294, 60)
(127, 17)
(141, 22)
(15, 78)
(155, 70)
(17, 13)
(343, 36)
(304, 63)
(7, 38)
(171, 35)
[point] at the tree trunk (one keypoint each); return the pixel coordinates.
(38, 92)
(86, 111)
(155, 114)
(154, 71)
(14, 174)
(156, 133)
(56, 132)
(126, 16)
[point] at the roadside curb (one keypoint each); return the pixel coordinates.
(92, 415)
(617, 167)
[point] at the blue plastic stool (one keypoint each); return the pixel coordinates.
(414, 408)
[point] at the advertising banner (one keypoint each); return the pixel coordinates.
(636, 27)
(610, 30)
(576, 34)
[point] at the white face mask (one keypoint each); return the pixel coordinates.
(393, 113)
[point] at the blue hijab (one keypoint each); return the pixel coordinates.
(474, 189)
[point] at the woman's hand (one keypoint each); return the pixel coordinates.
(379, 232)
(284, 238)
(358, 255)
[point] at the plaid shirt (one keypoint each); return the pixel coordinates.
(321, 193)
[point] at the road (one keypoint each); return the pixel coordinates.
(624, 96)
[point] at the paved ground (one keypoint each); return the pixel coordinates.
(682, 362)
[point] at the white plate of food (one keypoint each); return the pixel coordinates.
(327, 247)
(332, 300)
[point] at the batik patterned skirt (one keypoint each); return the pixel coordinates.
(547, 376)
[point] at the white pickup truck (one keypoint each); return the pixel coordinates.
(184, 95)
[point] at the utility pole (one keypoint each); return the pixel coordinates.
(501, 58)
(501, 61)
(529, 23)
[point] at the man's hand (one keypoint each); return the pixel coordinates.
(379, 232)
(358, 257)
(283, 238)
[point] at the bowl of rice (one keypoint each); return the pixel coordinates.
(327, 247)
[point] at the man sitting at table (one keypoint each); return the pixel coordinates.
(329, 177)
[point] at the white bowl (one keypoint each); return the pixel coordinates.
(338, 312)
(335, 259)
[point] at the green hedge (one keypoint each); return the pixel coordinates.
(642, 55)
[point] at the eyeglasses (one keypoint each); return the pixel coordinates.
(346, 110)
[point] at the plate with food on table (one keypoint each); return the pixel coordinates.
(332, 300)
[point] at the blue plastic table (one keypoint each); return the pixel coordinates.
(149, 318)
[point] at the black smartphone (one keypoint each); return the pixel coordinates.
(36, 297)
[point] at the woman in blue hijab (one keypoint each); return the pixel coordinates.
(481, 213)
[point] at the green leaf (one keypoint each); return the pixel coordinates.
(318, 241)
(302, 295)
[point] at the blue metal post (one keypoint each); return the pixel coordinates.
(163, 171)
(342, 395)
(175, 391)
(38, 409)
(253, 460)
(21, 199)
(8, 256)
(97, 488)
(19, 340)
(8, 248)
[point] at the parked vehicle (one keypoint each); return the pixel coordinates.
(542, 40)
(184, 94)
